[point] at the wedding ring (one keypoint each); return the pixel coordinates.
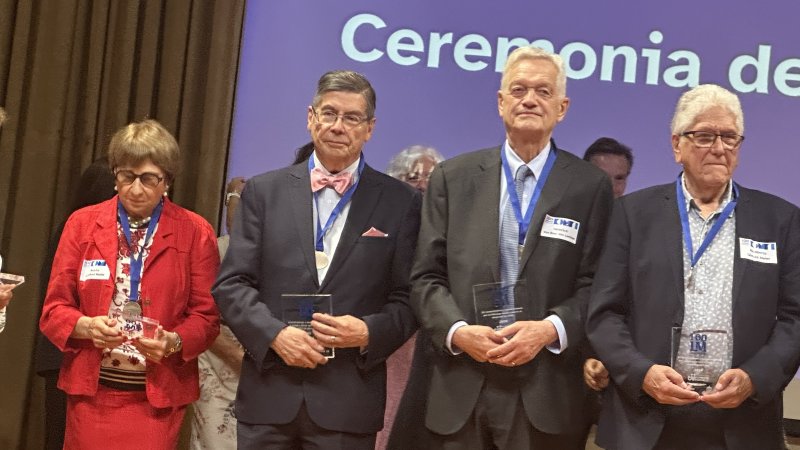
(333, 338)
(513, 363)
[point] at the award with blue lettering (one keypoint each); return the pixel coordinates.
(298, 310)
(700, 356)
(498, 305)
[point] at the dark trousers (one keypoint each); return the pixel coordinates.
(55, 414)
(500, 422)
(692, 427)
(301, 433)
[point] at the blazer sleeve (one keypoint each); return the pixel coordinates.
(431, 297)
(200, 324)
(572, 311)
(61, 309)
(774, 364)
(236, 289)
(607, 327)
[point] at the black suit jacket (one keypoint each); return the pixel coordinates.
(272, 253)
(638, 297)
(459, 247)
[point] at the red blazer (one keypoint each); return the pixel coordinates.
(175, 289)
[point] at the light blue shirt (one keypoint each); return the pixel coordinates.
(536, 165)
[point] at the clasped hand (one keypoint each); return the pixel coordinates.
(103, 332)
(298, 349)
(511, 346)
(667, 386)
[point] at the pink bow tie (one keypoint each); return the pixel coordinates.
(339, 182)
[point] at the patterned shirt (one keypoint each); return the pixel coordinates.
(708, 288)
(124, 367)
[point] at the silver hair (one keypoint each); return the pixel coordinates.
(700, 99)
(346, 81)
(523, 53)
(402, 163)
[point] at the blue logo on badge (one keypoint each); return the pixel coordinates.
(697, 343)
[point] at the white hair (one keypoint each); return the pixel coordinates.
(523, 53)
(700, 99)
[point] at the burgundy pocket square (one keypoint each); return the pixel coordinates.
(374, 232)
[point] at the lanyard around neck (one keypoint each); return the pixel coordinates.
(525, 221)
(712, 233)
(321, 231)
(136, 262)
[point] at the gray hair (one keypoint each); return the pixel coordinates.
(402, 163)
(346, 81)
(523, 53)
(139, 142)
(700, 99)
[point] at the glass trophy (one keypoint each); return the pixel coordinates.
(700, 356)
(11, 280)
(498, 305)
(297, 310)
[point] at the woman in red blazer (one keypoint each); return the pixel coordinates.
(122, 265)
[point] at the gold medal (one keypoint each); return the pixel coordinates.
(321, 260)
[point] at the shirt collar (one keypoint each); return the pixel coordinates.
(352, 168)
(536, 164)
(727, 197)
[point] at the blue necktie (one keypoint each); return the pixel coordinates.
(509, 234)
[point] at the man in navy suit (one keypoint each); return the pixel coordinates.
(698, 274)
(329, 225)
(514, 384)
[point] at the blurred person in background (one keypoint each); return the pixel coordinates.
(613, 158)
(135, 256)
(213, 420)
(413, 165)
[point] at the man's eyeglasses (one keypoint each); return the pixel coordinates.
(148, 179)
(519, 91)
(329, 118)
(706, 139)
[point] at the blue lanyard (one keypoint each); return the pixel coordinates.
(524, 222)
(321, 231)
(712, 233)
(136, 263)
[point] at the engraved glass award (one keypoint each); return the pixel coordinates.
(498, 305)
(700, 356)
(297, 310)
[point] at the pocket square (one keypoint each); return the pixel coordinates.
(374, 232)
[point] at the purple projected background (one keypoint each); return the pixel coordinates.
(288, 45)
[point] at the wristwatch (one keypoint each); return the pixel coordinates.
(175, 348)
(231, 194)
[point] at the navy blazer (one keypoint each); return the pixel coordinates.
(272, 253)
(638, 297)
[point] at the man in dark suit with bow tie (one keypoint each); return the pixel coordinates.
(329, 225)
(519, 386)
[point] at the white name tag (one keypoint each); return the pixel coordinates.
(763, 252)
(560, 228)
(95, 269)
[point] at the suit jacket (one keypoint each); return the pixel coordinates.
(459, 247)
(271, 253)
(175, 290)
(638, 297)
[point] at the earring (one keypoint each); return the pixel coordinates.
(165, 192)
(115, 189)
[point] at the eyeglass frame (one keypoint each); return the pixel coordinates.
(691, 136)
(536, 90)
(137, 177)
(361, 119)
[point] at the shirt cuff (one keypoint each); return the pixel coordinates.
(449, 341)
(560, 344)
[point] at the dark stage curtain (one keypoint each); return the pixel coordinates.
(71, 73)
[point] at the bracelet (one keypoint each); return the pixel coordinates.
(231, 194)
(176, 347)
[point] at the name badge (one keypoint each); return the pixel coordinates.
(95, 269)
(560, 228)
(763, 252)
